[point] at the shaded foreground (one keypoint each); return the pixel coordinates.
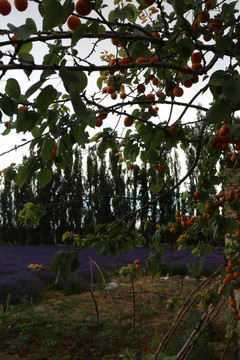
(65, 327)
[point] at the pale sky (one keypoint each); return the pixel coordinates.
(7, 142)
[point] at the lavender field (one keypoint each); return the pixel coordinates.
(23, 282)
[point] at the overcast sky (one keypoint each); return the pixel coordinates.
(8, 142)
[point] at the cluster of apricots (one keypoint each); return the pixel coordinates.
(222, 139)
(6, 8)
(101, 116)
(232, 304)
(232, 271)
(184, 220)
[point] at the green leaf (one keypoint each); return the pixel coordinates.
(53, 15)
(65, 263)
(44, 177)
(22, 175)
(77, 34)
(138, 49)
(185, 46)
(33, 88)
(23, 31)
(219, 112)
(68, 8)
(12, 88)
(25, 48)
(26, 121)
(78, 105)
(178, 5)
(48, 146)
(157, 184)
(7, 105)
(231, 89)
(73, 80)
(46, 97)
(99, 82)
(31, 23)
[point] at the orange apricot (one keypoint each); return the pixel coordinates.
(161, 169)
(148, 2)
(196, 57)
(22, 108)
(155, 81)
(5, 7)
(128, 121)
(141, 88)
(131, 166)
(99, 122)
(8, 124)
(196, 66)
(156, 34)
(141, 59)
(203, 17)
(172, 130)
(21, 5)
(123, 95)
(178, 91)
(73, 22)
(208, 5)
(83, 8)
(150, 97)
(110, 90)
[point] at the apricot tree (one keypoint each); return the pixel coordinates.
(155, 61)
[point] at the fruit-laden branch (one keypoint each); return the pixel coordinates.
(92, 68)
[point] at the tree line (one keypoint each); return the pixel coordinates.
(93, 190)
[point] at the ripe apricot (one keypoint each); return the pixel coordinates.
(21, 5)
(226, 282)
(178, 91)
(234, 310)
(141, 88)
(172, 230)
(22, 108)
(73, 22)
(104, 90)
(102, 115)
(136, 262)
(196, 66)
(123, 95)
(115, 42)
(148, 2)
(8, 124)
(206, 38)
(161, 169)
(236, 275)
(208, 4)
(155, 81)
(125, 60)
(234, 157)
(141, 60)
(203, 17)
(196, 195)
(99, 122)
(228, 268)
(83, 8)
(156, 34)
(196, 57)
(131, 166)
(229, 277)
(5, 7)
(110, 89)
(137, 266)
(172, 130)
(128, 121)
(114, 96)
(153, 59)
(187, 83)
(150, 97)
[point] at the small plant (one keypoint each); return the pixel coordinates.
(196, 270)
